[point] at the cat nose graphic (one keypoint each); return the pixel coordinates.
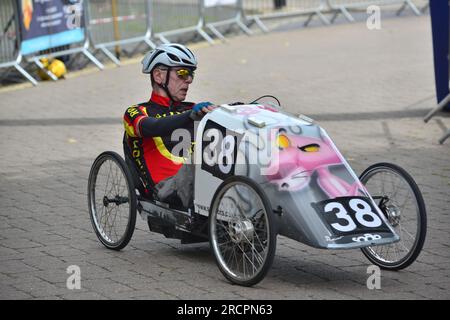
(285, 185)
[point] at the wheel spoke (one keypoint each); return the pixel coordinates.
(261, 258)
(407, 232)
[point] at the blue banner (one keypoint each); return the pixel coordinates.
(47, 24)
(439, 10)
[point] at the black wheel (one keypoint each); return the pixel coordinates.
(399, 198)
(242, 238)
(112, 200)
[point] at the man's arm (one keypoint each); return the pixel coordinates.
(151, 127)
(138, 124)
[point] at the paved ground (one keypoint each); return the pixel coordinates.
(369, 89)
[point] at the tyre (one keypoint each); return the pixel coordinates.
(401, 202)
(112, 200)
(242, 237)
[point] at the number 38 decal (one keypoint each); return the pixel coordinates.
(219, 149)
(348, 215)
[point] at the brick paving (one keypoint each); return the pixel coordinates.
(368, 89)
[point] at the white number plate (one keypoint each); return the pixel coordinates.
(351, 215)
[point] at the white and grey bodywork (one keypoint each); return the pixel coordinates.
(315, 195)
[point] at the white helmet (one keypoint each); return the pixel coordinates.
(171, 55)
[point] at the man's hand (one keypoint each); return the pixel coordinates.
(200, 109)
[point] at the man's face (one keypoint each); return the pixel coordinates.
(179, 82)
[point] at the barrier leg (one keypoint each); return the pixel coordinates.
(147, 41)
(323, 18)
(244, 27)
(399, 11)
(25, 74)
(48, 72)
(319, 15)
(311, 15)
(438, 108)
(150, 43)
(163, 39)
(260, 24)
(216, 32)
(444, 137)
(347, 14)
(335, 15)
(205, 35)
(93, 59)
(411, 5)
(110, 55)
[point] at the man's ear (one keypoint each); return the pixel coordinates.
(158, 76)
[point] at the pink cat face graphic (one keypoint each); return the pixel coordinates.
(298, 157)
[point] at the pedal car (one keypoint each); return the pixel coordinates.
(262, 172)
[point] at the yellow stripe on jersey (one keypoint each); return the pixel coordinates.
(129, 129)
(163, 150)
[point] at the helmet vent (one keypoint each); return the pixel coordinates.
(181, 49)
(187, 62)
(173, 57)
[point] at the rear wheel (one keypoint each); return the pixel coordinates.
(112, 200)
(399, 198)
(242, 236)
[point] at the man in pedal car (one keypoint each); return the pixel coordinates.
(148, 143)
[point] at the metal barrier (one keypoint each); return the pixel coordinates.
(425, 7)
(223, 13)
(78, 48)
(435, 110)
(175, 17)
(10, 55)
(258, 10)
(343, 6)
(113, 23)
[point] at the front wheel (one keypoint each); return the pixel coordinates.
(242, 236)
(400, 200)
(112, 200)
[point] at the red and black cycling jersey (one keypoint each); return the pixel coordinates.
(148, 137)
